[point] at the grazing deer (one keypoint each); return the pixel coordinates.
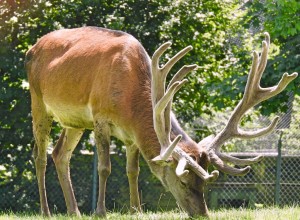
(95, 78)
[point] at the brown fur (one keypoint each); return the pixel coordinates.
(93, 76)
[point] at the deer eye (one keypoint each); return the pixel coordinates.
(193, 157)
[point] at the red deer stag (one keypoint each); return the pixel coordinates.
(95, 78)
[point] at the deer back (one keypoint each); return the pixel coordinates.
(83, 73)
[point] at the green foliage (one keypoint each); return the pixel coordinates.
(281, 19)
(284, 17)
(15, 122)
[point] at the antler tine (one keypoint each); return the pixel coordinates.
(182, 73)
(178, 154)
(162, 100)
(158, 88)
(222, 166)
(167, 67)
(177, 77)
(252, 80)
(180, 170)
(258, 133)
(165, 100)
(238, 161)
(168, 151)
(267, 93)
(253, 95)
(264, 55)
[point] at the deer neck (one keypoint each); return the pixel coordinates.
(148, 142)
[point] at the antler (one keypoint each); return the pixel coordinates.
(162, 102)
(253, 95)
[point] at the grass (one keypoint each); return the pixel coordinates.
(273, 213)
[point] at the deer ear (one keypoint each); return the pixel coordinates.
(206, 141)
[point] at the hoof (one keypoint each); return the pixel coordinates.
(100, 213)
(46, 213)
(135, 209)
(74, 213)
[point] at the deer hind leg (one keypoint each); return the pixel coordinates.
(41, 130)
(132, 168)
(102, 138)
(61, 156)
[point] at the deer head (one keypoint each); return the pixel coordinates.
(191, 175)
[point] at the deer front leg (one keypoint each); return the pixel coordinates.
(102, 138)
(132, 167)
(61, 156)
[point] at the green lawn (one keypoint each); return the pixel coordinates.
(287, 213)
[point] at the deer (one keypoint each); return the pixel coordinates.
(103, 80)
